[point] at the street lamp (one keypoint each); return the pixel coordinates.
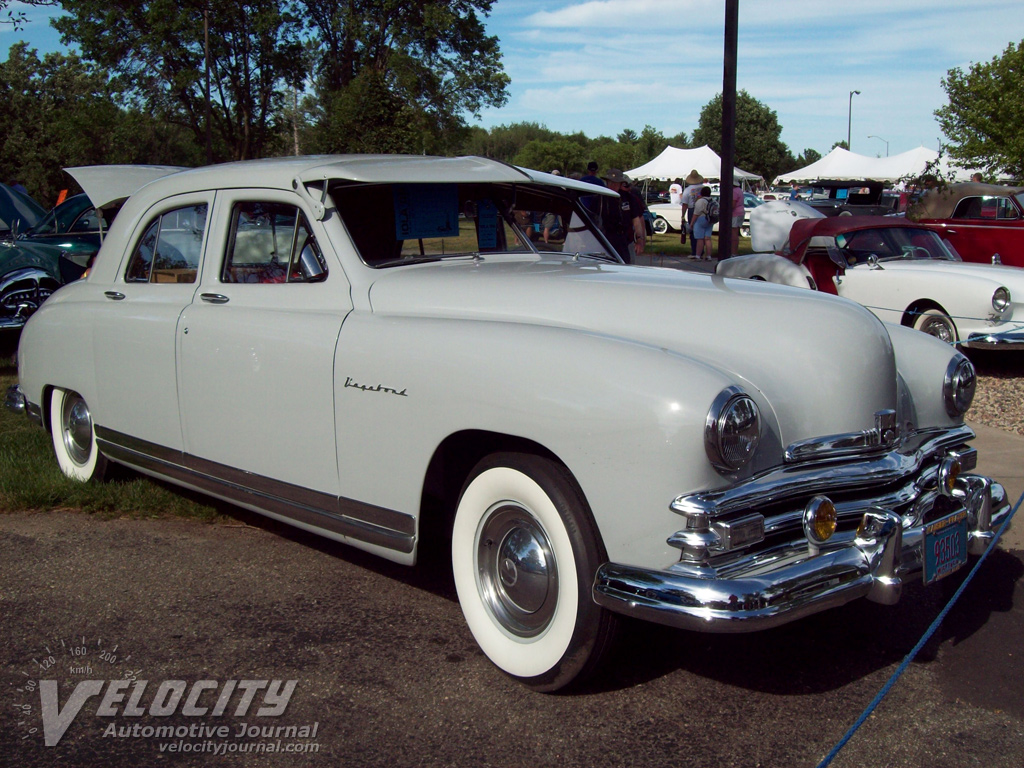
(886, 143)
(849, 120)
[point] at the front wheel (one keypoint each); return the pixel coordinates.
(74, 437)
(524, 554)
(936, 323)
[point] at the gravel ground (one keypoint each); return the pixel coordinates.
(999, 398)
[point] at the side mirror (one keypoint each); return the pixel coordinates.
(996, 258)
(873, 262)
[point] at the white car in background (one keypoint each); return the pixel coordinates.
(902, 271)
(668, 217)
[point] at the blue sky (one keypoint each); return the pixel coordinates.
(604, 65)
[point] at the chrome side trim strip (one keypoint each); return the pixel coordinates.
(346, 517)
(804, 480)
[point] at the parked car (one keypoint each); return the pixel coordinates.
(984, 222)
(852, 198)
(57, 247)
(372, 349)
(18, 211)
(901, 271)
(668, 217)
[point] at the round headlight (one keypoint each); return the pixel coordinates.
(732, 430)
(1001, 299)
(958, 387)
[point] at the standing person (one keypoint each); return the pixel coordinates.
(637, 210)
(675, 193)
(738, 213)
(702, 225)
(689, 198)
(620, 219)
(591, 202)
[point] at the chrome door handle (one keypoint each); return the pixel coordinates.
(113, 295)
(214, 298)
(950, 231)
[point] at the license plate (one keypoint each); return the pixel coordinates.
(945, 546)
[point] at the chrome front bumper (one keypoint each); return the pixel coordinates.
(778, 585)
(999, 340)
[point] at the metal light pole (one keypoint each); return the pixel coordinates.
(886, 143)
(726, 246)
(849, 120)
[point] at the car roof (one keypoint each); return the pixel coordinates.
(281, 172)
(940, 203)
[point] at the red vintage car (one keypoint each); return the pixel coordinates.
(984, 222)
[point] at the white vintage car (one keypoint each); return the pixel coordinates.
(903, 272)
(669, 217)
(385, 351)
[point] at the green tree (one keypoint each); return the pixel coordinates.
(649, 145)
(155, 50)
(985, 113)
(759, 148)
(61, 111)
(504, 142)
(559, 153)
(428, 61)
(841, 144)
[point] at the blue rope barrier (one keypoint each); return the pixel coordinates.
(920, 643)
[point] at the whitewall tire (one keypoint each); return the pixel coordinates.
(524, 554)
(74, 437)
(937, 323)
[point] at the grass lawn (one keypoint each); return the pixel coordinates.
(669, 245)
(30, 479)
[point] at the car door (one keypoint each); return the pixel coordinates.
(135, 324)
(256, 348)
(986, 225)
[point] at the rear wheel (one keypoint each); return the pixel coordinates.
(661, 226)
(524, 555)
(937, 323)
(74, 437)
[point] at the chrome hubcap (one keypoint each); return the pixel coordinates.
(76, 427)
(516, 571)
(940, 329)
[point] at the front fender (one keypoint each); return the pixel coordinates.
(626, 419)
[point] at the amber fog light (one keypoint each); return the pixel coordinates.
(819, 520)
(949, 471)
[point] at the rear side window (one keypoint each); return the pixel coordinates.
(272, 243)
(170, 247)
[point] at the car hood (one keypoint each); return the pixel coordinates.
(799, 349)
(1011, 277)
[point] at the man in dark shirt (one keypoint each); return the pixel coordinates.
(622, 220)
(591, 202)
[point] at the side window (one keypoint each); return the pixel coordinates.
(87, 221)
(170, 247)
(968, 208)
(1007, 209)
(272, 243)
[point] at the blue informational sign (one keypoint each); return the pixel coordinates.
(842, 194)
(426, 210)
(487, 225)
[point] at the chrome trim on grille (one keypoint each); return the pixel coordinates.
(346, 517)
(884, 435)
(788, 581)
(805, 480)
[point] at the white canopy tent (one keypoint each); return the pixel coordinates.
(843, 165)
(675, 163)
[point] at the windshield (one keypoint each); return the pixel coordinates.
(396, 224)
(892, 243)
